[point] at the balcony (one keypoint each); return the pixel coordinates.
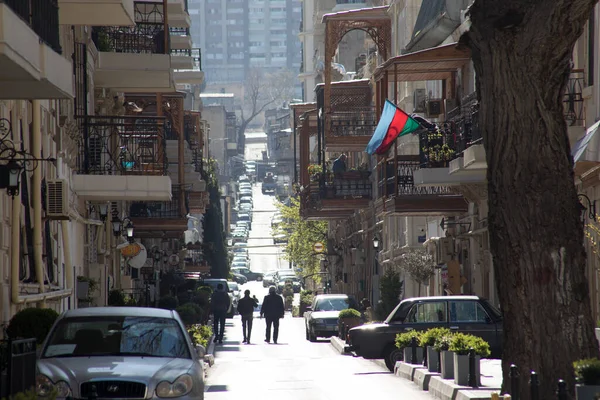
(178, 13)
(400, 195)
(31, 65)
(122, 158)
(351, 129)
(194, 75)
(96, 12)
(182, 59)
(136, 58)
(161, 218)
(198, 202)
(180, 38)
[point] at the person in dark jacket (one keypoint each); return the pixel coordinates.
(219, 305)
(246, 309)
(273, 309)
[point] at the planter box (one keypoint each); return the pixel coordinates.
(461, 370)
(433, 359)
(345, 324)
(586, 392)
(408, 355)
(447, 364)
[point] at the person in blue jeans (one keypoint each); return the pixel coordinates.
(273, 309)
(219, 305)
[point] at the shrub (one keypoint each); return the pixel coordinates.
(350, 313)
(200, 334)
(295, 311)
(587, 371)
(442, 343)
(461, 343)
(32, 323)
(168, 302)
(31, 395)
(429, 337)
(306, 297)
(190, 313)
(404, 340)
(116, 298)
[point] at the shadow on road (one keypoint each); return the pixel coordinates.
(217, 388)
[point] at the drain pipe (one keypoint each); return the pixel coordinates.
(15, 253)
(36, 189)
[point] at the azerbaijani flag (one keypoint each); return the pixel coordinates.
(393, 123)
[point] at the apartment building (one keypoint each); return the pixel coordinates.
(97, 152)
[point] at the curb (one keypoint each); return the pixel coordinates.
(209, 357)
(339, 345)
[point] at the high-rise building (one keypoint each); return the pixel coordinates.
(237, 35)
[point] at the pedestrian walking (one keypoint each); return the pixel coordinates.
(219, 305)
(273, 309)
(246, 307)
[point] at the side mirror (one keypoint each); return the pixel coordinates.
(201, 351)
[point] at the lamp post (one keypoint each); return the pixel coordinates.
(591, 207)
(376, 243)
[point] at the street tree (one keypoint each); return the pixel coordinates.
(521, 51)
(263, 90)
(419, 265)
(301, 237)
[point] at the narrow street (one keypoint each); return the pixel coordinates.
(296, 369)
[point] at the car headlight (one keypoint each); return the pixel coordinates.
(46, 388)
(182, 386)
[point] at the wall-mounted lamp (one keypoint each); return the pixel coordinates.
(119, 227)
(591, 207)
(128, 227)
(376, 242)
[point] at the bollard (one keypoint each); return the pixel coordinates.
(472, 374)
(93, 393)
(562, 390)
(514, 381)
(534, 386)
(413, 347)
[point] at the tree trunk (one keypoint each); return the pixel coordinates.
(521, 51)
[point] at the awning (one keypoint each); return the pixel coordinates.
(434, 64)
(585, 155)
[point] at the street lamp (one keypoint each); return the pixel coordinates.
(128, 227)
(14, 170)
(116, 224)
(103, 211)
(376, 242)
(591, 208)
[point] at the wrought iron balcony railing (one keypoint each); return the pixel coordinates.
(179, 31)
(406, 186)
(116, 145)
(146, 36)
(573, 99)
(348, 185)
(41, 16)
(181, 52)
(197, 55)
(162, 209)
(355, 121)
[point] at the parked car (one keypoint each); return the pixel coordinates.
(467, 314)
(135, 352)
(269, 278)
(238, 278)
(244, 270)
(296, 284)
(321, 317)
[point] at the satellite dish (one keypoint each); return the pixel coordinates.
(139, 260)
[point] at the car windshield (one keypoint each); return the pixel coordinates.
(117, 336)
(333, 304)
(233, 286)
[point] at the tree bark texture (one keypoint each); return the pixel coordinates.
(521, 51)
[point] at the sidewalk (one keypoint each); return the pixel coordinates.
(444, 389)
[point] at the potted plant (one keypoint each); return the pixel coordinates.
(314, 171)
(347, 319)
(404, 342)
(446, 364)
(428, 339)
(461, 344)
(587, 373)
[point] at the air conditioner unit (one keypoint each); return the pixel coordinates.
(433, 107)
(358, 257)
(444, 250)
(57, 199)
(419, 96)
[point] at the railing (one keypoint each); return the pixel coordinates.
(41, 16)
(197, 55)
(573, 99)
(348, 185)
(17, 365)
(146, 36)
(116, 145)
(181, 52)
(356, 121)
(161, 209)
(179, 31)
(406, 183)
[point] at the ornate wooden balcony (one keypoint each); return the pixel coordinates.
(351, 129)
(160, 218)
(400, 196)
(121, 145)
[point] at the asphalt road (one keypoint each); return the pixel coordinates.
(296, 369)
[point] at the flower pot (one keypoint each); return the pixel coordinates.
(586, 392)
(447, 364)
(432, 359)
(461, 370)
(408, 355)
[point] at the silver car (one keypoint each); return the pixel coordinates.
(120, 353)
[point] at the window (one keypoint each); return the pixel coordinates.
(467, 311)
(332, 304)
(427, 312)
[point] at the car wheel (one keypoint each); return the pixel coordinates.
(391, 355)
(259, 278)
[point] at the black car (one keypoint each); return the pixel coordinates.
(466, 314)
(250, 275)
